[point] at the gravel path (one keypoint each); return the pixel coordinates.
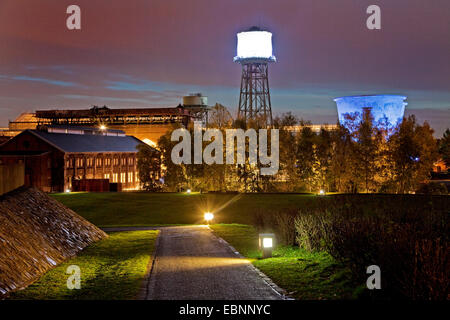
(192, 263)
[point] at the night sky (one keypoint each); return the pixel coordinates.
(149, 53)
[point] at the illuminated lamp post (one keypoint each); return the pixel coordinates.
(266, 244)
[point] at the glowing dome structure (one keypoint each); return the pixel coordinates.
(387, 106)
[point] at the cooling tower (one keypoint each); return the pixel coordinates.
(390, 106)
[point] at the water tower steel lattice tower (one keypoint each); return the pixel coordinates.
(254, 53)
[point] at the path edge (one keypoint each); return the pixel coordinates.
(144, 288)
(280, 291)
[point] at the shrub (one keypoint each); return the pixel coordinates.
(408, 246)
(408, 240)
(279, 222)
(433, 188)
(309, 227)
(285, 226)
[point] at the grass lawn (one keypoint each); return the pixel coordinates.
(150, 209)
(304, 275)
(154, 209)
(113, 268)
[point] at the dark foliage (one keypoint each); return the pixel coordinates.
(408, 238)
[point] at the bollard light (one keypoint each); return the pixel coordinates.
(266, 244)
(188, 191)
(208, 217)
(67, 190)
(321, 192)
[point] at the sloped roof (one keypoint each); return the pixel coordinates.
(88, 143)
(89, 129)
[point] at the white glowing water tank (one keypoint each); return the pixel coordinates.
(254, 44)
(196, 99)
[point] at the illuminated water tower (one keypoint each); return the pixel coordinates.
(254, 53)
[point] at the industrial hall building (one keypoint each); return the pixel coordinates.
(59, 158)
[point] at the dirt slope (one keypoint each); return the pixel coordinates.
(36, 234)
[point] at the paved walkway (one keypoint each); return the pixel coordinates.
(119, 229)
(192, 263)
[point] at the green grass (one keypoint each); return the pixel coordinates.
(304, 275)
(113, 268)
(152, 209)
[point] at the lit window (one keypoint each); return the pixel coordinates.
(123, 177)
(130, 176)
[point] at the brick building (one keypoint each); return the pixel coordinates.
(54, 156)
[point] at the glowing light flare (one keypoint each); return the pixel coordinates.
(102, 127)
(188, 191)
(67, 190)
(254, 44)
(322, 192)
(208, 216)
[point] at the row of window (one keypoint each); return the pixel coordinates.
(124, 177)
(79, 162)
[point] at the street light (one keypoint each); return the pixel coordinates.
(102, 127)
(208, 217)
(266, 243)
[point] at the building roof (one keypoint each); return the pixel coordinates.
(22, 153)
(89, 130)
(77, 143)
(105, 111)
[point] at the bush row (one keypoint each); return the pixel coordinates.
(409, 242)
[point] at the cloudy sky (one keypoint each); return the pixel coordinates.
(144, 53)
